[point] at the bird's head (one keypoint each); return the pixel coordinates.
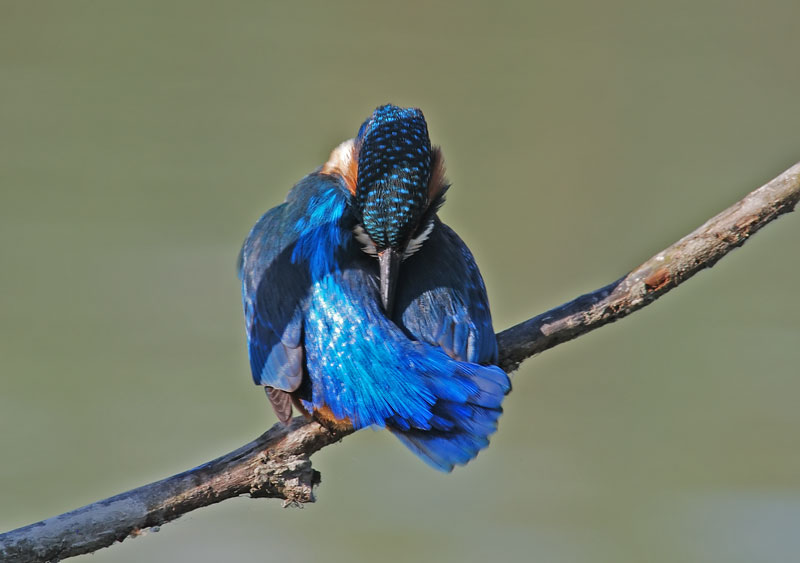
(397, 182)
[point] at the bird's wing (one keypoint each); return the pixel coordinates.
(275, 288)
(442, 299)
(443, 302)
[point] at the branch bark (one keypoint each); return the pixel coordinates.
(277, 464)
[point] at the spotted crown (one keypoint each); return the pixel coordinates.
(394, 168)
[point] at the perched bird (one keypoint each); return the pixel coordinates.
(363, 309)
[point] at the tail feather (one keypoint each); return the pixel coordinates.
(443, 450)
(475, 384)
(459, 430)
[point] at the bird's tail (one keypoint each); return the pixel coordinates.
(464, 416)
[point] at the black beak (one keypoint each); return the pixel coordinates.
(389, 261)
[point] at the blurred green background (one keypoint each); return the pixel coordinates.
(139, 141)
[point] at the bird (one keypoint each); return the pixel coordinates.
(363, 309)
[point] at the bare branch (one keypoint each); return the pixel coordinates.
(274, 465)
(700, 249)
(277, 464)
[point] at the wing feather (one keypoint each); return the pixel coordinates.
(275, 291)
(442, 299)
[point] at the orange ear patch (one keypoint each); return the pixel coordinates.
(437, 181)
(344, 162)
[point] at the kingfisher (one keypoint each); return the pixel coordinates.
(363, 309)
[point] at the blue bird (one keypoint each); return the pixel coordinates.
(363, 309)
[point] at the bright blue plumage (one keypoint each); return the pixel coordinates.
(319, 333)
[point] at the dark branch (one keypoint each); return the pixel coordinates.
(274, 465)
(700, 249)
(277, 464)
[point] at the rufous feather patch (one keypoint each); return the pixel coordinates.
(437, 181)
(344, 162)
